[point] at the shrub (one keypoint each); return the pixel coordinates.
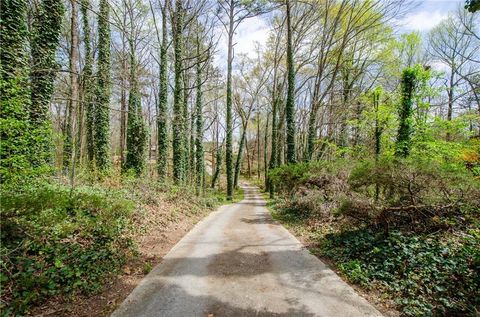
(315, 188)
(427, 195)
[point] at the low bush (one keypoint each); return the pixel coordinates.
(58, 241)
(313, 189)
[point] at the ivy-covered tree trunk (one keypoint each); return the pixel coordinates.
(123, 98)
(188, 132)
(46, 30)
(191, 148)
(162, 103)
(69, 147)
(218, 165)
(178, 144)
(312, 122)
(136, 130)
(14, 93)
(229, 123)
(258, 144)
(290, 106)
(87, 83)
(103, 93)
(265, 157)
(241, 145)
(403, 144)
(273, 155)
(199, 159)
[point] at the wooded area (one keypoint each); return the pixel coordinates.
(339, 114)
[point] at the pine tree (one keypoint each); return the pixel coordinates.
(46, 30)
(103, 91)
(162, 103)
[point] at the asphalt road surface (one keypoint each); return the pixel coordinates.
(239, 262)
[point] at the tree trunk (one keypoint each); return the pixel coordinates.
(229, 123)
(290, 106)
(87, 87)
(240, 155)
(249, 159)
(162, 138)
(265, 166)
(258, 145)
(102, 111)
(178, 138)
(218, 166)
(46, 34)
(200, 168)
(69, 146)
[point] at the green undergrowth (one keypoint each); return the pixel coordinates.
(59, 241)
(409, 230)
(436, 275)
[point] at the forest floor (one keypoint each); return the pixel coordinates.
(239, 262)
(162, 225)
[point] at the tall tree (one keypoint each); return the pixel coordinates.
(104, 88)
(232, 14)
(88, 82)
(45, 38)
(405, 129)
(73, 105)
(452, 44)
(162, 101)
(136, 130)
(14, 92)
(178, 144)
(290, 105)
(199, 156)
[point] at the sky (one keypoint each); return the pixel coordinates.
(426, 15)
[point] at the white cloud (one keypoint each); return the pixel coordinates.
(250, 31)
(423, 20)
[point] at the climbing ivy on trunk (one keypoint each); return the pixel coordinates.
(162, 104)
(290, 105)
(14, 93)
(69, 146)
(199, 159)
(413, 82)
(178, 144)
(103, 91)
(87, 82)
(136, 130)
(46, 29)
